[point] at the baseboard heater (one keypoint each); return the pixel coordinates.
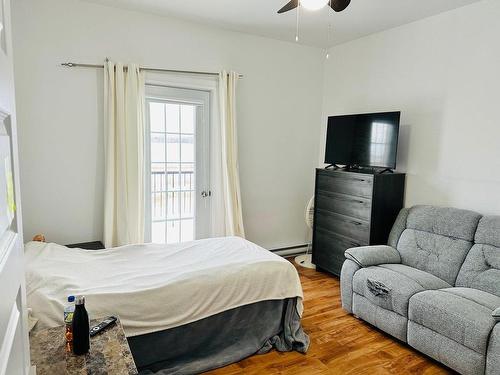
(290, 250)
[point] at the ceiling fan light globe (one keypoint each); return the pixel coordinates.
(313, 4)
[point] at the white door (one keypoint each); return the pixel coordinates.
(14, 346)
(177, 164)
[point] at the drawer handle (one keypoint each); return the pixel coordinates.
(348, 178)
(356, 179)
(336, 197)
(335, 216)
(349, 200)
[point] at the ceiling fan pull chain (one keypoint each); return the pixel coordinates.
(329, 32)
(328, 29)
(297, 26)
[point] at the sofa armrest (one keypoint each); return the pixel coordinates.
(496, 314)
(349, 268)
(366, 256)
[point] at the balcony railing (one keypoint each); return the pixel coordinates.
(172, 195)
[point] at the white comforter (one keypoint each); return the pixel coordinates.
(156, 287)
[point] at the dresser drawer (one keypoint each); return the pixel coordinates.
(361, 186)
(328, 250)
(349, 205)
(356, 229)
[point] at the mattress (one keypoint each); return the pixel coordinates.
(155, 287)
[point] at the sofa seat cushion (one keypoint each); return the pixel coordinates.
(460, 314)
(390, 286)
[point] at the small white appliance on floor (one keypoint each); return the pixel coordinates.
(306, 259)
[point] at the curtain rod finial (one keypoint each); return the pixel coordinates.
(68, 64)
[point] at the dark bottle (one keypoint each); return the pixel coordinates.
(81, 329)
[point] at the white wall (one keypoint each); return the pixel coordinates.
(443, 73)
(60, 112)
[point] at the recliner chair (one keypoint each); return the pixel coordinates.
(435, 286)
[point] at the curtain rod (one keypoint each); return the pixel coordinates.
(78, 65)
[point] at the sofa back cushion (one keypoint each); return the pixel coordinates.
(481, 269)
(437, 240)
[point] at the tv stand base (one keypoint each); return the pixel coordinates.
(388, 170)
(336, 167)
(348, 168)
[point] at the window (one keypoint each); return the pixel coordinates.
(177, 153)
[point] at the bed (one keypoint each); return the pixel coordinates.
(185, 308)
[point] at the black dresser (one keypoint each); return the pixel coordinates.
(353, 208)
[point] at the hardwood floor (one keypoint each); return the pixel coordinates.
(340, 343)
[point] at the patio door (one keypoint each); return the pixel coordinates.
(177, 170)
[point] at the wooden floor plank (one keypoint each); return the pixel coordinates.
(340, 343)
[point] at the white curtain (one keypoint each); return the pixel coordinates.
(124, 153)
(229, 155)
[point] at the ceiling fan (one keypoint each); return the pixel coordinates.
(336, 5)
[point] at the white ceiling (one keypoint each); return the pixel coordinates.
(362, 17)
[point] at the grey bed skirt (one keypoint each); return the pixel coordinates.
(221, 339)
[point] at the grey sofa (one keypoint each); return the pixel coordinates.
(435, 286)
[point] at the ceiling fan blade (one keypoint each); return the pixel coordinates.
(291, 5)
(339, 5)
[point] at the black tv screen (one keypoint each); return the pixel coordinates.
(365, 140)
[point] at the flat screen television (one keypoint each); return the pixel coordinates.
(363, 140)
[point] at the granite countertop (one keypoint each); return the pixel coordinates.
(109, 353)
